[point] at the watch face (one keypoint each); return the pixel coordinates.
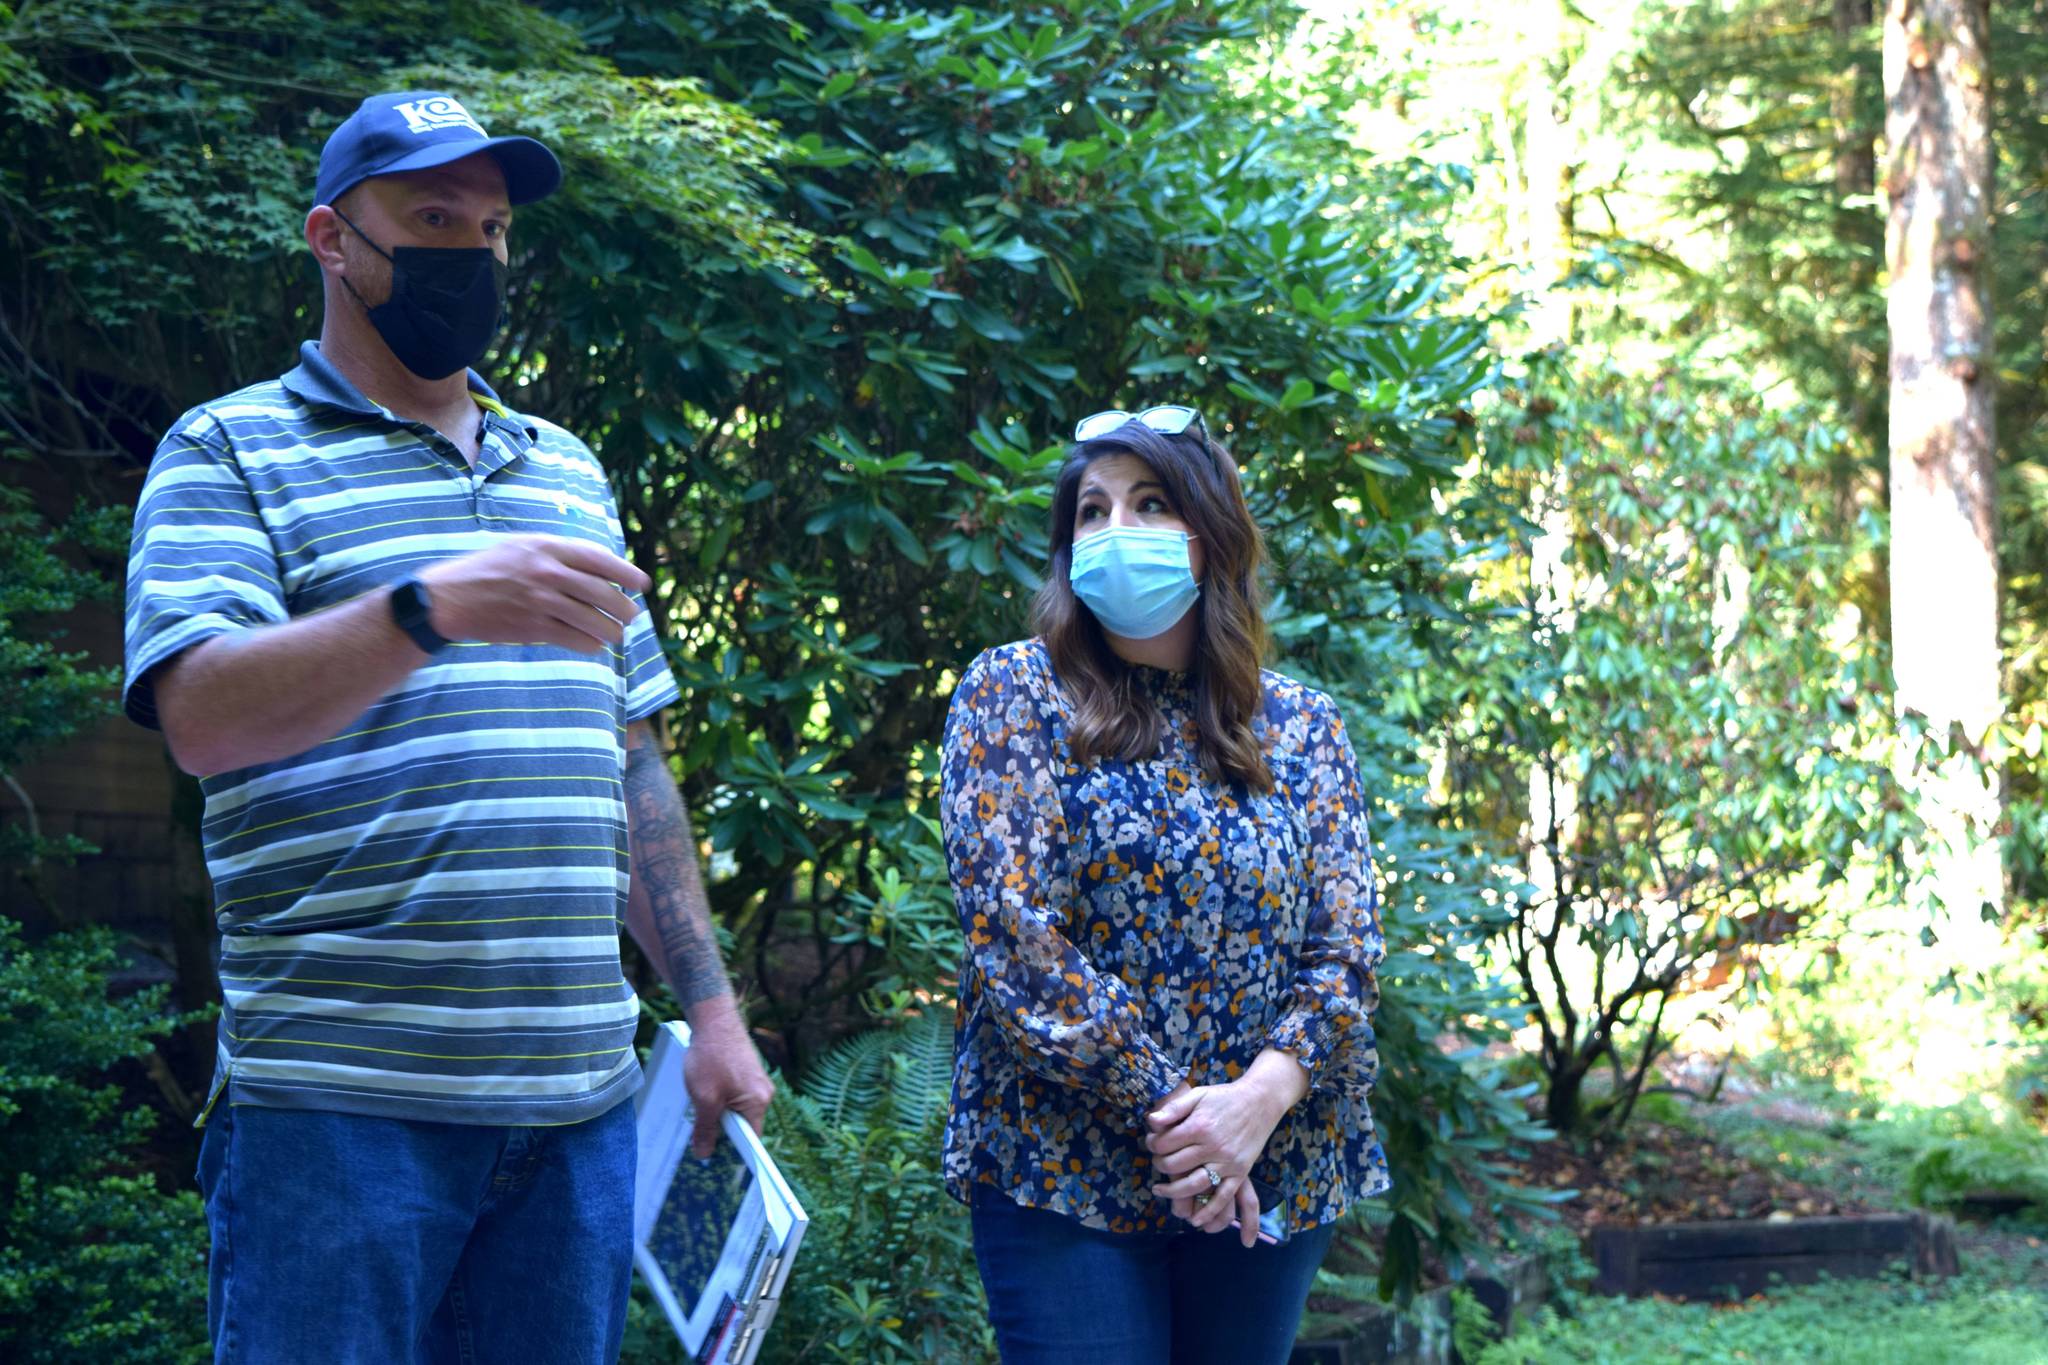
(410, 609)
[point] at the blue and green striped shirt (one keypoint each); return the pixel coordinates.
(419, 917)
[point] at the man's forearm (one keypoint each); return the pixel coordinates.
(667, 913)
(253, 696)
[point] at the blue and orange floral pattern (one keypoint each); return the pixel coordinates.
(1132, 924)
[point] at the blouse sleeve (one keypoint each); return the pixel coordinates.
(1006, 850)
(1326, 1021)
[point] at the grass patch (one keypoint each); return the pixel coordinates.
(1995, 1313)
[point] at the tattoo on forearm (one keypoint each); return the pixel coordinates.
(665, 866)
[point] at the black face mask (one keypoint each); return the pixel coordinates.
(445, 305)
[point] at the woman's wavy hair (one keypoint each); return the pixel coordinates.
(1112, 716)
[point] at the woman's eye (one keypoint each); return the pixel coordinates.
(433, 219)
(494, 229)
(1090, 512)
(1153, 507)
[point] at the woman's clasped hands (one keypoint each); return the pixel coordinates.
(1204, 1140)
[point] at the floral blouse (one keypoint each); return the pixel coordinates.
(1131, 925)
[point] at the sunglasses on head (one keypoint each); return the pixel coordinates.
(1168, 419)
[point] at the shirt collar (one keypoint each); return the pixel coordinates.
(316, 380)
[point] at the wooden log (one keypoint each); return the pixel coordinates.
(1719, 1260)
(1758, 1237)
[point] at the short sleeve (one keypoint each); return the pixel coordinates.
(201, 562)
(650, 683)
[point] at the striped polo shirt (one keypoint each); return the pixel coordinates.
(419, 917)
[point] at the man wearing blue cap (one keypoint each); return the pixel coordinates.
(385, 619)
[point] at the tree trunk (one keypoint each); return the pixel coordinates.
(1944, 553)
(1855, 155)
(1549, 158)
(1856, 472)
(1563, 1105)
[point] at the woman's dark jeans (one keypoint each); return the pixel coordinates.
(1063, 1294)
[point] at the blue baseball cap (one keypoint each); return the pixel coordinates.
(412, 130)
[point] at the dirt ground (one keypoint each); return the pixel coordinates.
(1661, 1172)
(1658, 1173)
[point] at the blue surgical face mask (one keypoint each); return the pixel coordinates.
(1136, 579)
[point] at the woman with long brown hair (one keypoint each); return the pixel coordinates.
(1160, 858)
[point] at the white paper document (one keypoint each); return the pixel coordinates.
(714, 1239)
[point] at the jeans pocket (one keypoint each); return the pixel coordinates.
(213, 1147)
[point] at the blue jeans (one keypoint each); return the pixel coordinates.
(341, 1238)
(1063, 1294)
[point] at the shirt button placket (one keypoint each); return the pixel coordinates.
(443, 448)
(474, 476)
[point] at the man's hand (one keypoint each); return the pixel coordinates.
(722, 1071)
(1223, 1128)
(535, 590)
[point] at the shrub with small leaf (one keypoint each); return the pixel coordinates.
(97, 1265)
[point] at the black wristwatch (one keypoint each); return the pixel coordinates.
(409, 608)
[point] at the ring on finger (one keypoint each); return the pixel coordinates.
(1214, 1179)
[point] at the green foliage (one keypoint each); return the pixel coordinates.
(1780, 110)
(96, 1265)
(1035, 211)
(887, 1271)
(1992, 1314)
(1387, 644)
(908, 920)
(47, 692)
(1472, 1326)
(159, 212)
(2009, 1161)
(1937, 1157)
(1570, 1270)
(1839, 1143)
(826, 287)
(1942, 1157)
(1781, 113)
(1679, 677)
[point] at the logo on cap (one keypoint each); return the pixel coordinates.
(424, 116)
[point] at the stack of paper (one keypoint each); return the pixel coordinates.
(714, 1238)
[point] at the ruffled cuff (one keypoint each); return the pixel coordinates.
(1138, 1079)
(1337, 1049)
